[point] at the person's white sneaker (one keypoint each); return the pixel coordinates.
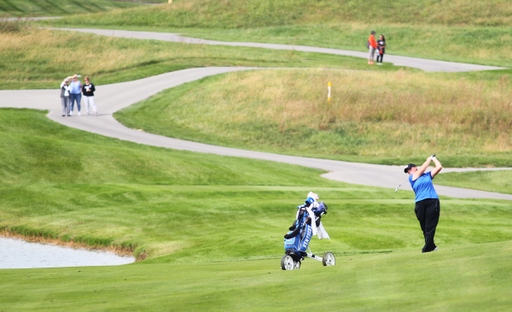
(79, 114)
(70, 113)
(435, 249)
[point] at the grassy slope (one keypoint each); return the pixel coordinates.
(24, 8)
(74, 177)
(449, 30)
(33, 58)
(29, 62)
(209, 220)
(254, 14)
(368, 120)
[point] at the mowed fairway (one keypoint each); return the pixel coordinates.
(464, 278)
(212, 229)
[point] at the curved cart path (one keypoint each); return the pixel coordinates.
(426, 65)
(111, 98)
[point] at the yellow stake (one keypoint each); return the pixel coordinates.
(329, 92)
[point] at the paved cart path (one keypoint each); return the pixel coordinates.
(426, 65)
(111, 98)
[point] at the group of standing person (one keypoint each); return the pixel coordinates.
(71, 90)
(376, 46)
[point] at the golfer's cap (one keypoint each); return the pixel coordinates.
(409, 166)
(373, 32)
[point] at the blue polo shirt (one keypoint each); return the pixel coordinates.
(423, 187)
(76, 87)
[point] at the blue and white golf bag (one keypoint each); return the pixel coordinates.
(306, 225)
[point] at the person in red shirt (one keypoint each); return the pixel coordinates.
(372, 45)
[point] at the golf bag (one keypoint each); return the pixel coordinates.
(306, 225)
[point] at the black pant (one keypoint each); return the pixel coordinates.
(427, 212)
(381, 57)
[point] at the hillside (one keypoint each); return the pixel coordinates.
(461, 31)
(30, 8)
(268, 13)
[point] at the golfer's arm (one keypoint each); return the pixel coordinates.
(438, 168)
(421, 169)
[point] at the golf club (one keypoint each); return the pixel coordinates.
(396, 190)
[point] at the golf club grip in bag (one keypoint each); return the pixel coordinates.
(292, 233)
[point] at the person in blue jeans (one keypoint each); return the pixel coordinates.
(75, 94)
(427, 207)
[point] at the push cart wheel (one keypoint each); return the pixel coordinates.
(297, 265)
(287, 263)
(328, 259)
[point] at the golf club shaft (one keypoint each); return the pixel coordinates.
(396, 190)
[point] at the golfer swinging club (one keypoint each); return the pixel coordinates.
(427, 202)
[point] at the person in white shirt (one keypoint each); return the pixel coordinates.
(88, 92)
(64, 96)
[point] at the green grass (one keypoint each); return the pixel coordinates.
(476, 45)
(76, 176)
(368, 120)
(492, 181)
(462, 278)
(212, 228)
(35, 150)
(461, 31)
(265, 13)
(29, 8)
